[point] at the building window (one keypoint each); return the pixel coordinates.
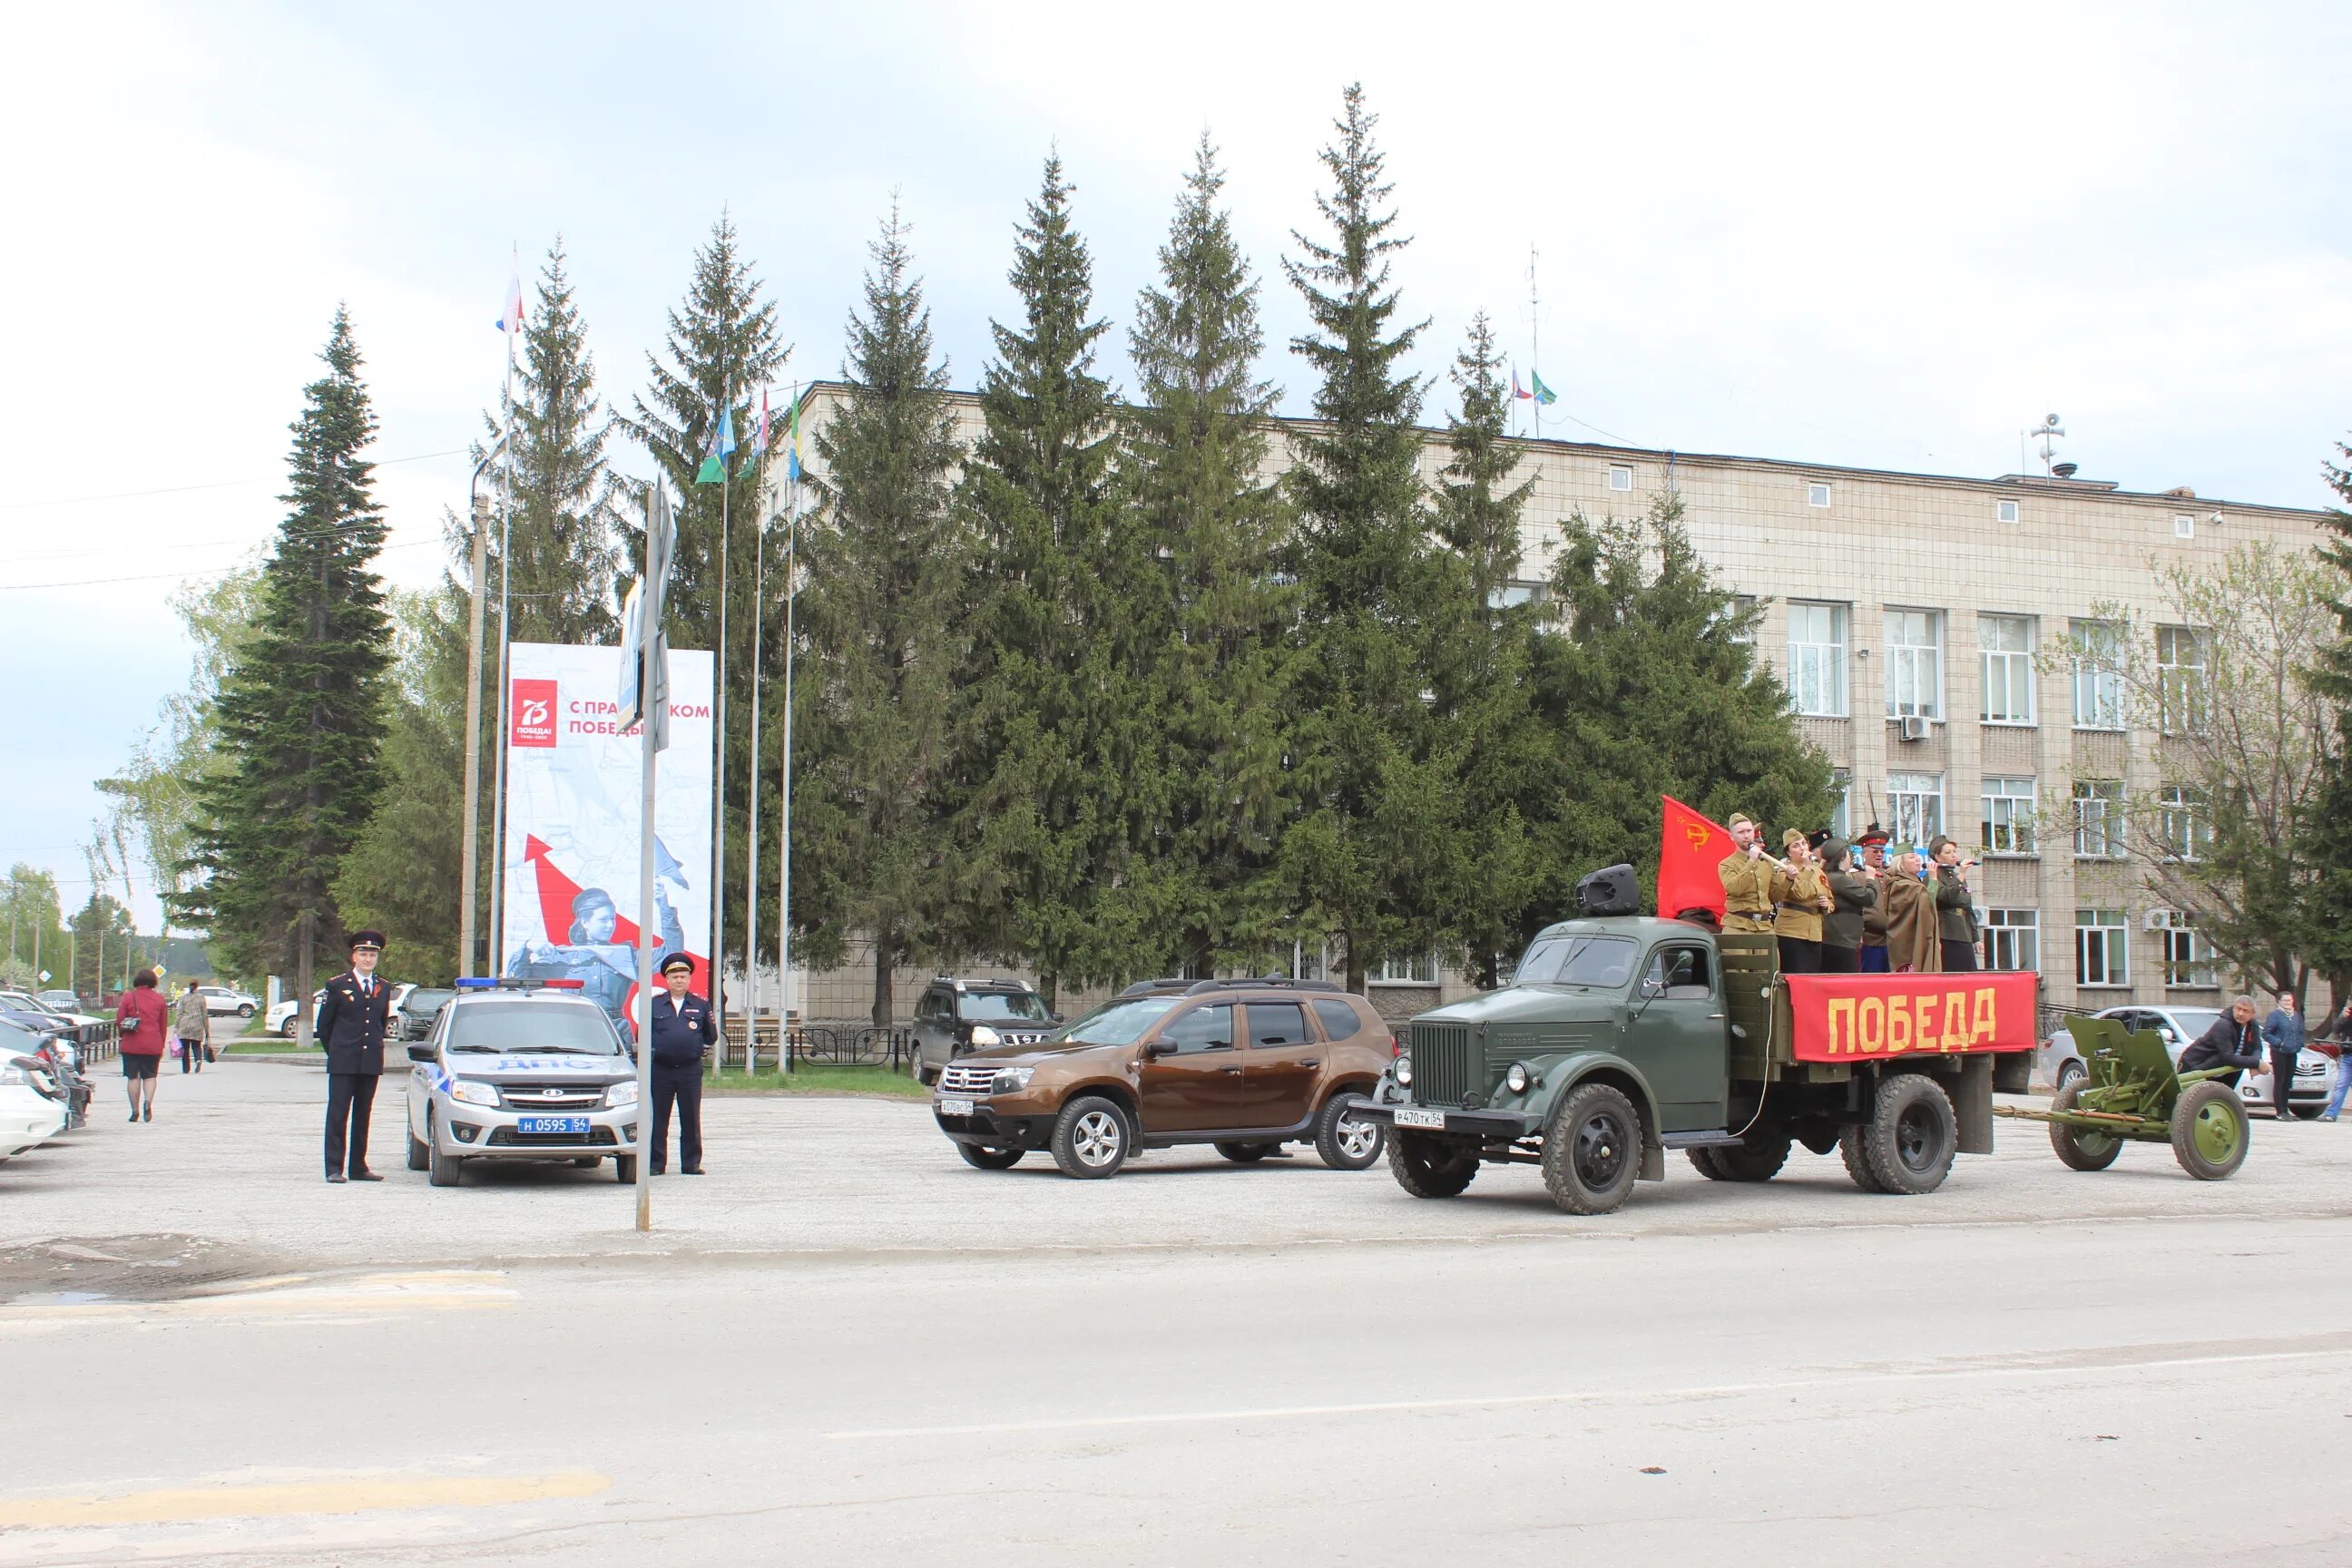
(2007, 645)
(1621, 478)
(1817, 495)
(1817, 658)
(1406, 969)
(2101, 948)
(2187, 825)
(2099, 818)
(2184, 525)
(2013, 938)
(1917, 801)
(1841, 792)
(1914, 664)
(1510, 595)
(2004, 510)
(2009, 816)
(2188, 963)
(2098, 675)
(2181, 680)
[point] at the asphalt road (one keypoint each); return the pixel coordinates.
(844, 1346)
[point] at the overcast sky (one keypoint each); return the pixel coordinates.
(1884, 237)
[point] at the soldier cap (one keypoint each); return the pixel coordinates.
(677, 961)
(1874, 834)
(367, 941)
(1739, 816)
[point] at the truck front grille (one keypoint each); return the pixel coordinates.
(1441, 1064)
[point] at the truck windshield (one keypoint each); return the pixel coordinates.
(533, 1028)
(1591, 960)
(1120, 1024)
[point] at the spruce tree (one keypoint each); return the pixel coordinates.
(1478, 508)
(883, 616)
(1049, 748)
(565, 525)
(721, 346)
(300, 713)
(1194, 458)
(1373, 855)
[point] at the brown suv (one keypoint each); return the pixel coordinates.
(1245, 1065)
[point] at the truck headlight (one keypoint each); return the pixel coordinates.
(982, 1035)
(1515, 1078)
(469, 1091)
(1403, 1070)
(1009, 1079)
(623, 1093)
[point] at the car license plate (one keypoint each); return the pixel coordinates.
(955, 1108)
(552, 1124)
(1408, 1117)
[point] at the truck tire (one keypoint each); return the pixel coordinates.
(1244, 1153)
(1857, 1160)
(2209, 1130)
(1757, 1159)
(1911, 1134)
(981, 1158)
(1593, 1150)
(1090, 1138)
(1431, 1167)
(1346, 1143)
(2080, 1148)
(1704, 1162)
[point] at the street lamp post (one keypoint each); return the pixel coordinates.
(469, 858)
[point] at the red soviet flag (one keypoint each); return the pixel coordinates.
(1689, 850)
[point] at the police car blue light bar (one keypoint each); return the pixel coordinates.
(509, 983)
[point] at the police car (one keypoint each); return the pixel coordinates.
(521, 1069)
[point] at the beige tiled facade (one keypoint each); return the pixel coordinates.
(2031, 550)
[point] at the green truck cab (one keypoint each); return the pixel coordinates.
(1622, 1038)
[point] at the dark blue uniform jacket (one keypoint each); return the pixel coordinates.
(682, 1030)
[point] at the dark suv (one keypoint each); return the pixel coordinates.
(955, 1017)
(1244, 1065)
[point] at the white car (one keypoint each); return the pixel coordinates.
(32, 1105)
(219, 999)
(519, 1070)
(281, 1020)
(2314, 1069)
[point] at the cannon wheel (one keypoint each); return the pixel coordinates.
(2209, 1130)
(2080, 1148)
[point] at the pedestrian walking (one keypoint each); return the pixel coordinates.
(140, 1018)
(2340, 1031)
(1845, 928)
(351, 1025)
(192, 1020)
(1956, 913)
(683, 1032)
(2282, 1032)
(2231, 1041)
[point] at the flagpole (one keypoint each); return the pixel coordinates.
(1535, 347)
(785, 851)
(719, 834)
(506, 576)
(652, 691)
(752, 844)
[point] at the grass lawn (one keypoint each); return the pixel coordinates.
(879, 1082)
(260, 1046)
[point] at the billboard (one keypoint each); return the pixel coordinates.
(571, 856)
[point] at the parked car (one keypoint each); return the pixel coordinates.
(220, 999)
(2314, 1069)
(85, 1032)
(416, 1011)
(281, 1019)
(955, 1017)
(1245, 1066)
(62, 1001)
(22, 1037)
(521, 1071)
(32, 1102)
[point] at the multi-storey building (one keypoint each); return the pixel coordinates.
(1912, 616)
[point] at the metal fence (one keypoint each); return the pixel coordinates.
(819, 1044)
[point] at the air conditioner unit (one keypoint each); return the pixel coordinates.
(1915, 728)
(2156, 920)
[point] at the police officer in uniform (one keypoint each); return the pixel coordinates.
(351, 1023)
(1754, 882)
(683, 1032)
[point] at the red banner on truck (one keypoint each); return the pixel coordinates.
(1843, 1017)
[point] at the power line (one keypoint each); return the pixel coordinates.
(178, 576)
(213, 485)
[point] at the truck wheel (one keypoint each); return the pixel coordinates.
(982, 1159)
(1348, 1142)
(443, 1170)
(1244, 1153)
(1758, 1159)
(1593, 1151)
(1090, 1138)
(1911, 1134)
(1704, 1162)
(2209, 1130)
(2080, 1148)
(1431, 1167)
(1857, 1160)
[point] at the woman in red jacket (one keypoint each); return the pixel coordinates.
(140, 1022)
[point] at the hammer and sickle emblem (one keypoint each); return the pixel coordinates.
(1697, 834)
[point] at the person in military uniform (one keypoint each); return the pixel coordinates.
(353, 1024)
(683, 1032)
(1797, 927)
(1753, 882)
(1874, 869)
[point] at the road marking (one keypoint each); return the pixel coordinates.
(289, 1296)
(357, 1494)
(1876, 1378)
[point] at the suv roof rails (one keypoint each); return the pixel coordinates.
(1147, 987)
(998, 983)
(1271, 983)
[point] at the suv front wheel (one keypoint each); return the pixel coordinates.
(1090, 1137)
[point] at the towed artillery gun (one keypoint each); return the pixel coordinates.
(2134, 1094)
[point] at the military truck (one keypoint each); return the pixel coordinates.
(1622, 1039)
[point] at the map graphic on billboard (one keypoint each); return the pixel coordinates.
(570, 860)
